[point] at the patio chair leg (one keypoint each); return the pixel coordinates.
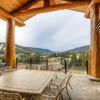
(33, 97)
(70, 85)
(28, 97)
(62, 97)
(68, 93)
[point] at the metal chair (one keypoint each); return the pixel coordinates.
(58, 83)
(54, 93)
(10, 96)
(57, 92)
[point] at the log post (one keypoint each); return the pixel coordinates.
(10, 55)
(94, 60)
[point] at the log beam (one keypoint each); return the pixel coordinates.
(5, 16)
(10, 55)
(87, 14)
(36, 11)
(32, 4)
(94, 59)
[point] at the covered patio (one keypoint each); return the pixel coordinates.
(16, 12)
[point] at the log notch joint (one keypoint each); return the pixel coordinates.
(10, 55)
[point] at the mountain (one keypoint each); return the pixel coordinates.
(32, 50)
(26, 50)
(80, 49)
(40, 50)
(19, 50)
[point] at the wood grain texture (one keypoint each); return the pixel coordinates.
(32, 4)
(5, 16)
(46, 3)
(32, 12)
(87, 14)
(16, 7)
(10, 55)
(93, 2)
(11, 5)
(94, 61)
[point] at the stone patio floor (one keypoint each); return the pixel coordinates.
(83, 88)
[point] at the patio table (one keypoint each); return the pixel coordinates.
(26, 81)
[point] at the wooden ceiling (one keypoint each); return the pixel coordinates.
(22, 10)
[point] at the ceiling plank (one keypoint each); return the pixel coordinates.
(5, 16)
(96, 1)
(32, 4)
(75, 0)
(52, 2)
(46, 3)
(67, 5)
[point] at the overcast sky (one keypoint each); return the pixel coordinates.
(57, 31)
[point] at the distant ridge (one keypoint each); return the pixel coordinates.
(27, 50)
(79, 49)
(41, 50)
(31, 50)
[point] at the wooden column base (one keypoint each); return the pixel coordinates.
(93, 78)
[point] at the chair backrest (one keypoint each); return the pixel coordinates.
(64, 86)
(9, 96)
(68, 79)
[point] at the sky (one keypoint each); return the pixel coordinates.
(58, 31)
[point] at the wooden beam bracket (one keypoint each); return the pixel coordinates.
(93, 2)
(5, 16)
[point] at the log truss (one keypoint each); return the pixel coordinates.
(30, 8)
